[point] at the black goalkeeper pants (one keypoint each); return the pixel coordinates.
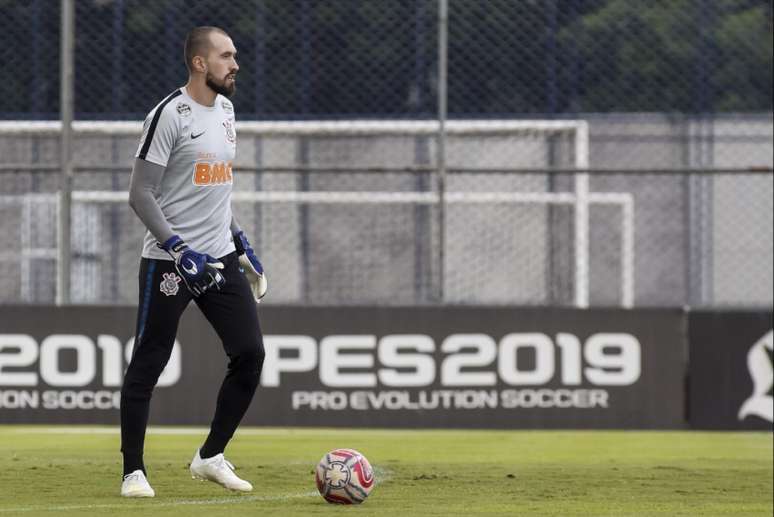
(231, 312)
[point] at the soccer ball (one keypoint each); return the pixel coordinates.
(344, 476)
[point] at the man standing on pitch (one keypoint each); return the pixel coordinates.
(194, 250)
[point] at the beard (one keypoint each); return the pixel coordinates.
(222, 88)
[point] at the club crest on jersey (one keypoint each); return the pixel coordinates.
(227, 107)
(230, 132)
(169, 285)
(183, 109)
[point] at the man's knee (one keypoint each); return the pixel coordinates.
(135, 387)
(247, 364)
(141, 377)
(260, 355)
(248, 360)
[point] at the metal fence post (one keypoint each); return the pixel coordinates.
(65, 150)
(443, 33)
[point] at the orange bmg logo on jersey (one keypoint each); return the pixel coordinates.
(212, 173)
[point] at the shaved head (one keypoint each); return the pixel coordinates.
(198, 43)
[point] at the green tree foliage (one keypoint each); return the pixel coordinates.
(674, 55)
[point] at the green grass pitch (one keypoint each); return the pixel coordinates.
(63, 471)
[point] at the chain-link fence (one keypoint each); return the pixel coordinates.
(676, 98)
(369, 58)
(348, 214)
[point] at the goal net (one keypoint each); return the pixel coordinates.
(343, 212)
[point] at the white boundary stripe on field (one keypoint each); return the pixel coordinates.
(116, 430)
(179, 502)
(382, 475)
(151, 430)
(249, 431)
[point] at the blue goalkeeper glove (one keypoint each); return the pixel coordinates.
(251, 266)
(199, 271)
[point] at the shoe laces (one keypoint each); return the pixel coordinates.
(223, 464)
(134, 476)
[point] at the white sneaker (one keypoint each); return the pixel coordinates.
(219, 470)
(136, 485)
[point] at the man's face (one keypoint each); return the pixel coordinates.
(221, 65)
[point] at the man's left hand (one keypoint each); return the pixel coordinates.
(251, 266)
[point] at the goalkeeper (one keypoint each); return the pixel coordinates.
(194, 249)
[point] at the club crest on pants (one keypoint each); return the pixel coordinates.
(169, 285)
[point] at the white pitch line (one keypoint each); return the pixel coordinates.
(383, 475)
(151, 430)
(204, 430)
(107, 430)
(183, 502)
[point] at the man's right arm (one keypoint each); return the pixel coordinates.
(145, 181)
(199, 271)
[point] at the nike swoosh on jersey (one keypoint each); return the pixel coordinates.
(197, 135)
